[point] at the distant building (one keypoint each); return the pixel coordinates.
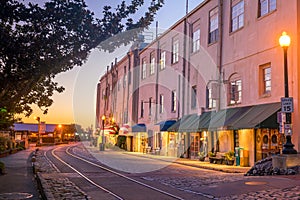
(49, 133)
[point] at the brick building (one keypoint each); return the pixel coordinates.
(212, 82)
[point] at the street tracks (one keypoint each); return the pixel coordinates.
(101, 181)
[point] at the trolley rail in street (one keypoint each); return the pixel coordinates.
(66, 158)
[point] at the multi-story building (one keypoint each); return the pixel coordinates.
(212, 82)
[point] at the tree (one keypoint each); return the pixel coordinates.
(37, 43)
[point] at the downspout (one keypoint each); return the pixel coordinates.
(189, 70)
(123, 99)
(106, 92)
(111, 89)
(157, 74)
(127, 83)
(183, 59)
(220, 53)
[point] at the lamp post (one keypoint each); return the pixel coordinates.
(102, 139)
(60, 132)
(285, 42)
(39, 132)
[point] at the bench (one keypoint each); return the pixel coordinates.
(218, 159)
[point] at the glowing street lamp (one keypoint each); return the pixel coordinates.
(60, 132)
(102, 139)
(285, 42)
(39, 141)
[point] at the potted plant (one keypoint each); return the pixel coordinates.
(211, 155)
(201, 155)
(229, 157)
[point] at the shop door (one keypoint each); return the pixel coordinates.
(172, 150)
(195, 145)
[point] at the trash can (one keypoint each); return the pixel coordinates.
(101, 147)
(244, 158)
(237, 154)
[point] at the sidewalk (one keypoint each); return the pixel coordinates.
(196, 163)
(18, 181)
(139, 162)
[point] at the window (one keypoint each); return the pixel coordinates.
(129, 77)
(266, 6)
(142, 109)
(124, 81)
(173, 101)
(213, 26)
(212, 94)
(152, 63)
(237, 16)
(194, 97)
(235, 92)
(103, 93)
(175, 51)
(212, 102)
(124, 78)
(196, 40)
(144, 67)
(162, 60)
(125, 119)
(161, 103)
(267, 79)
(119, 84)
(150, 106)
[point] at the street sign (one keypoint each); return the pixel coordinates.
(42, 127)
(287, 105)
(288, 129)
(281, 117)
(281, 129)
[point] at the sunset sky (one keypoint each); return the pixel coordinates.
(77, 103)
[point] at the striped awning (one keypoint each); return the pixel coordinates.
(110, 129)
(124, 130)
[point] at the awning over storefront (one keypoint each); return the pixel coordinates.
(110, 130)
(185, 125)
(164, 125)
(138, 128)
(204, 121)
(124, 130)
(176, 126)
(258, 116)
(225, 118)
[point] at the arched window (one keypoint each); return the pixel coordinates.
(235, 89)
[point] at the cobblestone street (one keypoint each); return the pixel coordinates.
(210, 184)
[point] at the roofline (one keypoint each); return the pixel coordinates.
(176, 24)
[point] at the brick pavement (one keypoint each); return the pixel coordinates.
(285, 187)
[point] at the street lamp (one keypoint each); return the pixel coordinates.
(60, 132)
(285, 42)
(102, 140)
(39, 124)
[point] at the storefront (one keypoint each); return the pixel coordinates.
(139, 138)
(256, 132)
(166, 143)
(252, 130)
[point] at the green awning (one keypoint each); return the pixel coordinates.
(203, 121)
(179, 124)
(225, 118)
(259, 116)
(185, 125)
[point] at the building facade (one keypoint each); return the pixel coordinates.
(212, 82)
